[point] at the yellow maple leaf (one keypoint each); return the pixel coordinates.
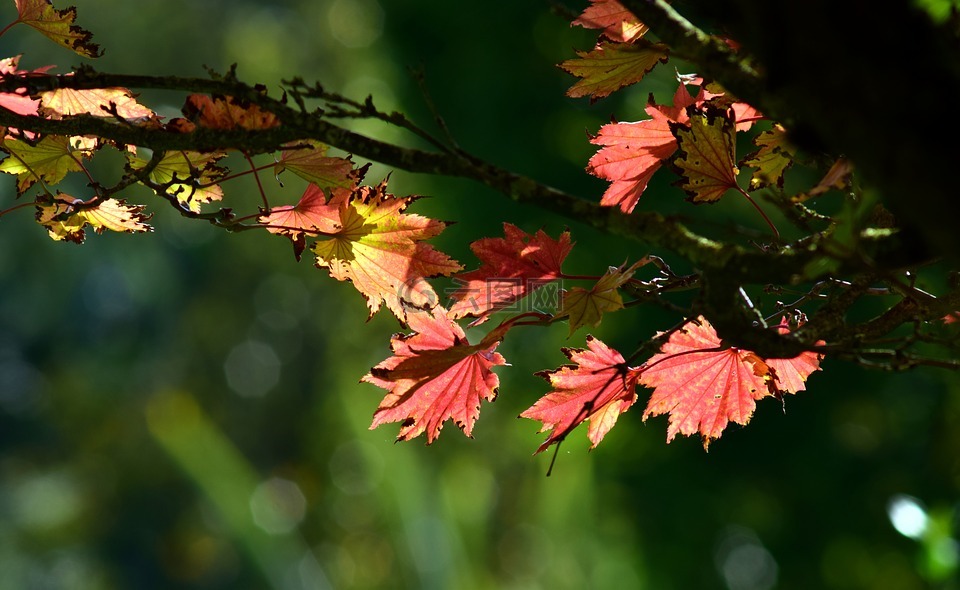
(189, 176)
(99, 102)
(48, 160)
(57, 25)
(771, 160)
(380, 249)
(65, 217)
(705, 155)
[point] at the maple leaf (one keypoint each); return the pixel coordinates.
(586, 307)
(65, 218)
(511, 268)
(311, 216)
(310, 162)
(57, 25)
(632, 152)
(702, 383)
(771, 160)
(49, 160)
(380, 250)
(14, 101)
(598, 387)
(435, 375)
(191, 177)
(98, 102)
(837, 177)
(617, 22)
(705, 159)
(790, 374)
(227, 112)
(611, 66)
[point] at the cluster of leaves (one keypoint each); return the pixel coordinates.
(364, 235)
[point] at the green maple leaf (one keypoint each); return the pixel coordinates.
(771, 160)
(611, 66)
(586, 307)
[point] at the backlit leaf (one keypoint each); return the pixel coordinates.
(703, 384)
(65, 102)
(311, 216)
(190, 177)
(771, 160)
(790, 374)
(632, 152)
(598, 387)
(586, 307)
(511, 268)
(381, 251)
(49, 160)
(57, 25)
(18, 103)
(227, 112)
(705, 160)
(65, 218)
(617, 22)
(836, 178)
(311, 163)
(435, 375)
(611, 66)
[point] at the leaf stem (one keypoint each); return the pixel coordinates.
(776, 232)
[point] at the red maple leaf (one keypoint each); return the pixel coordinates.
(18, 103)
(790, 375)
(598, 388)
(511, 268)
(702, 383)
(435, 375)
(617, 22)
(311, 216)
(631, 152)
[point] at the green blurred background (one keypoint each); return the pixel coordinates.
(182, 409)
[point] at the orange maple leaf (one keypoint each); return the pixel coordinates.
(598, 388)
(511, 268)
(435, 375)
(227, 112)
(380, 250)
